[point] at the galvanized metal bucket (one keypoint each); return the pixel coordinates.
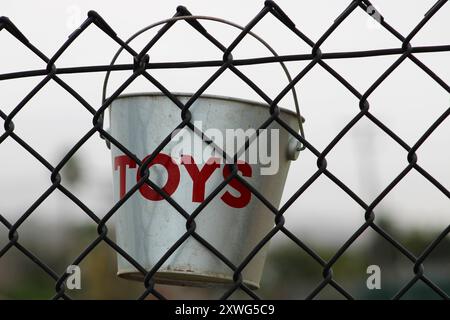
(147, 225)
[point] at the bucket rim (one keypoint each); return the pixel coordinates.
(165, 276)
(207, 96)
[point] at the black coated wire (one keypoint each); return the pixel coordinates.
(140, 67)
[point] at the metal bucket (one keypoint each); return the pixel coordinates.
(233, 222)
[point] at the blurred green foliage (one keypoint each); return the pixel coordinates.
(290, 273)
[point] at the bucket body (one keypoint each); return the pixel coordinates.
(234, 222)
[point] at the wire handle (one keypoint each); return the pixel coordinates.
(192, 20)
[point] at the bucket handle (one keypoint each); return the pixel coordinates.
(187, 16)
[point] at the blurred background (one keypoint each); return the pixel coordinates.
(324, 217)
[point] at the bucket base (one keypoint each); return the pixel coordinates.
(183, 278)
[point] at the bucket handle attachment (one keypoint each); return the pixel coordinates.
(294, 146)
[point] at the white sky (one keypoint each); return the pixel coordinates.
(366, 159)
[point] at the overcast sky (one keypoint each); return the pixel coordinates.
(366, 159)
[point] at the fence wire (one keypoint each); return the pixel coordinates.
(140, 67)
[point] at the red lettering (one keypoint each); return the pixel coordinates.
(199, 177)
(121, 163)
(244, 198)
(173, 177)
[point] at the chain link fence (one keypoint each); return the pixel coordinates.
(142, 66)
